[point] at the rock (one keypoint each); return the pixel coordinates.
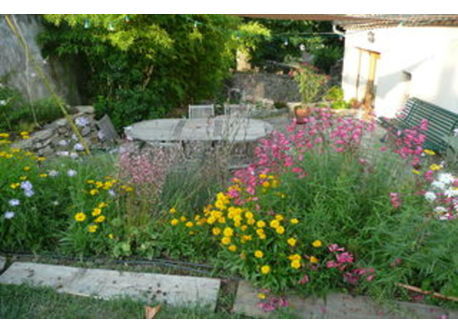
(339, 306)
(42, 135)
(61, 122)
(23, 144)
(46, 151)
(165, 289)
(85, 131)
(84, 109)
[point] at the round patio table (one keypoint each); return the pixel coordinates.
(221, 128)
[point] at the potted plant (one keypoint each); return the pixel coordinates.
(311, 85)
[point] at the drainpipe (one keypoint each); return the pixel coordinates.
(337, 31)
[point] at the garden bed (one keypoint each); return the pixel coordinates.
(316, 211)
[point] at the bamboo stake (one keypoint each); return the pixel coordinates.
(46, 82)
(425, 292)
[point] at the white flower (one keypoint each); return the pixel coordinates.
(455, 131)
(55, 203)
(63, 153)
(63, 143)
(438, 185)
(74, 155)
(78, 147)
(14, 202)
(74, 137)
(112, 193)
(451, 192)
(3, 102)
(440, 210)
(446, 178)
(430, 196)
(71, 173)
(29, 193)
(27, 186)
(53, 173)
(81, 121)
(9, 215)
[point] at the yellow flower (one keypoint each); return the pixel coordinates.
(246, 238)
(4, 135)
(258, 254)
(228, 232)
(110, 236)
(274, 224)
(183, 219)
(43, 175)
(244, 227)
(262, 236)
(265, 269)
(279, 217)
(174, 222)
(317, 243)
(92, 228)
(435, 167)
(15, 185)
(292, 241)
(172, 210)
(249, 215)
(24, 133)
(216, 231)
(261, 224)
(294, 221)
(280, 230)
(41, 159)
(226, 240)
(23, 178)
(265, 184)
(296, 264)
(251, 221)
(263, 176)
(26, 137)
(429, 152)
(295, 257)
(313, 260)
(96, 212)
(26, 168)
(93, 192)
(189, 224)
(261, 296)
(80, 217)
(415, 171)
(102, 205)
(100, 219)
(90, 181)
(232, 248)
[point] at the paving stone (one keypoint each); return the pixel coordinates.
(2, 262)
(148, 287)
(339, 306)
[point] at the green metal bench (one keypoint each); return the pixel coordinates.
(442, 123)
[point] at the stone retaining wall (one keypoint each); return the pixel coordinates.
(58, 138)
(255, 87)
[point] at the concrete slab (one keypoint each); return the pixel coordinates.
(152, 288)
(2, 262)
(339, 306)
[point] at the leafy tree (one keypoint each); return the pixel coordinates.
(286, 39)
(137, 67)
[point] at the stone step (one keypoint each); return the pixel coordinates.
(105, 284)
(338, 306)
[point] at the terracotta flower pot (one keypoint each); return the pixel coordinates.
(301, 112)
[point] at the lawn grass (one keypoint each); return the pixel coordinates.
(25, 302)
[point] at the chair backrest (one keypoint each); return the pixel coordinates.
(201, 111)
(441, 122)
(241, 110)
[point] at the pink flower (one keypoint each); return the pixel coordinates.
(335, 247)
(305, 279)
(344, 257)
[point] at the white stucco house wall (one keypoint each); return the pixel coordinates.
(404, 61)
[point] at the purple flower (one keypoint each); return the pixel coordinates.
(29, 193)
(14, 202)
(71, 173)
(26, 185)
